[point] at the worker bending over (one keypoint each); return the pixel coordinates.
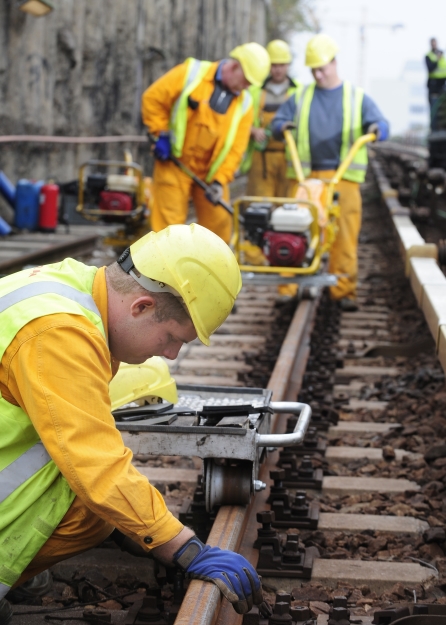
(66, 478)
(436, 67)
(265, 158)
(326, 118)
(201, 112)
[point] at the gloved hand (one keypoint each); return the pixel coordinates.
(375, 129)
(229, 571)
(162, 147)
(287, 126)
(214, 193)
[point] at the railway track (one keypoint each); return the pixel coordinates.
(377, 461)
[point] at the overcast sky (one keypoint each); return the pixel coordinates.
(385, 50)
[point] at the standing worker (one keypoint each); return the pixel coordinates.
(265, 157)
(436, 67)
(66, 478)
(201, 113)
(327, 117)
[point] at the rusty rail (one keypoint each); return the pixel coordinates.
(235, 526)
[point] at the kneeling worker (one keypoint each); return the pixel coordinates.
(66, 478)
(327, 117)
(201, 113)
(265, 157)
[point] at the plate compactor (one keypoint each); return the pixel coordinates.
(280, 240)
(229, 428)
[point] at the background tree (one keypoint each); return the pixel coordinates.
(287, 16)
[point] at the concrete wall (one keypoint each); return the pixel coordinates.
(81, 70)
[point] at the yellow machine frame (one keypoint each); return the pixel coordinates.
(321, 239)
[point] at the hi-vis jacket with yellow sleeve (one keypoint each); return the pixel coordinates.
(206, 141)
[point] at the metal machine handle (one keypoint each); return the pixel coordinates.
(297, 436)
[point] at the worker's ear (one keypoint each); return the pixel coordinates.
(143, 305)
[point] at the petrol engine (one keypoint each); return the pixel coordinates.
(282, 233)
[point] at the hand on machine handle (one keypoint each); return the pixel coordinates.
(162, 149)
(288, 126)
(380, 129)
(214, 193)
(229, 571)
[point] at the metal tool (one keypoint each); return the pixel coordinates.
(203, 185)
(229, 428)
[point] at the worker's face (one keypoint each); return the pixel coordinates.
(279, 72)
(138, 336)
(326, 76)
(433, 44)
(234, 78)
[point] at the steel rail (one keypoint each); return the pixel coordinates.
(52, 253)
(235, 526)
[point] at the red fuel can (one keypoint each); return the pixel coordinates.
(49, 195)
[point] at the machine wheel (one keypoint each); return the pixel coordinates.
(227, 482)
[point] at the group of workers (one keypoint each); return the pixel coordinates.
(220, 117)
(66, 479)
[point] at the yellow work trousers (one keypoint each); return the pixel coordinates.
(172, 189)
(267, 176)
(79, 530)
(343, 254)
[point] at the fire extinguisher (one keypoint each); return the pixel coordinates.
(49, 195)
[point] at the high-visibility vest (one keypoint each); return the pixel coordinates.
(256, 94)
(351, 130)
(34, 496)
(440, 70)
(195, 73)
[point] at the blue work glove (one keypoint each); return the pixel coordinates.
(162, 147)
(229, 571)
(214, 192)
(380, 130)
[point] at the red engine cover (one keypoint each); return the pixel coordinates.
(115, 201)
(284, 249)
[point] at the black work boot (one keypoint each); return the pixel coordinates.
(5, 612)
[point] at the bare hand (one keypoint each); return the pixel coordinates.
(258, 134)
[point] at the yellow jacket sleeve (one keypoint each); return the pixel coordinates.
(158, 99)
(58, 370)
(230, 165)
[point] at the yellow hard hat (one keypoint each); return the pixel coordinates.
(194, 264)
(279, 52)
(133, 382)
(321, 50)
(254, 60)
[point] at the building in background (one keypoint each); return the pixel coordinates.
(404, 102)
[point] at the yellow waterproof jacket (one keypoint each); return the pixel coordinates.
(57, 369)
(206, 130)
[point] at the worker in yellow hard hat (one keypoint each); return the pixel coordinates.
(66, 478)
(201, 113)
(326, 118)
(265, 157)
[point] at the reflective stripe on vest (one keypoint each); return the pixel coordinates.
(351, 130)
(4, 590)
(242, 108)
(45, 287)
(178, 118)
(23, 467)
(440, 70)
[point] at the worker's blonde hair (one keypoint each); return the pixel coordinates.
(167, 305)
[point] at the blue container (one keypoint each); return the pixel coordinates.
(5, 228)
(7, 189)
(27, 204)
